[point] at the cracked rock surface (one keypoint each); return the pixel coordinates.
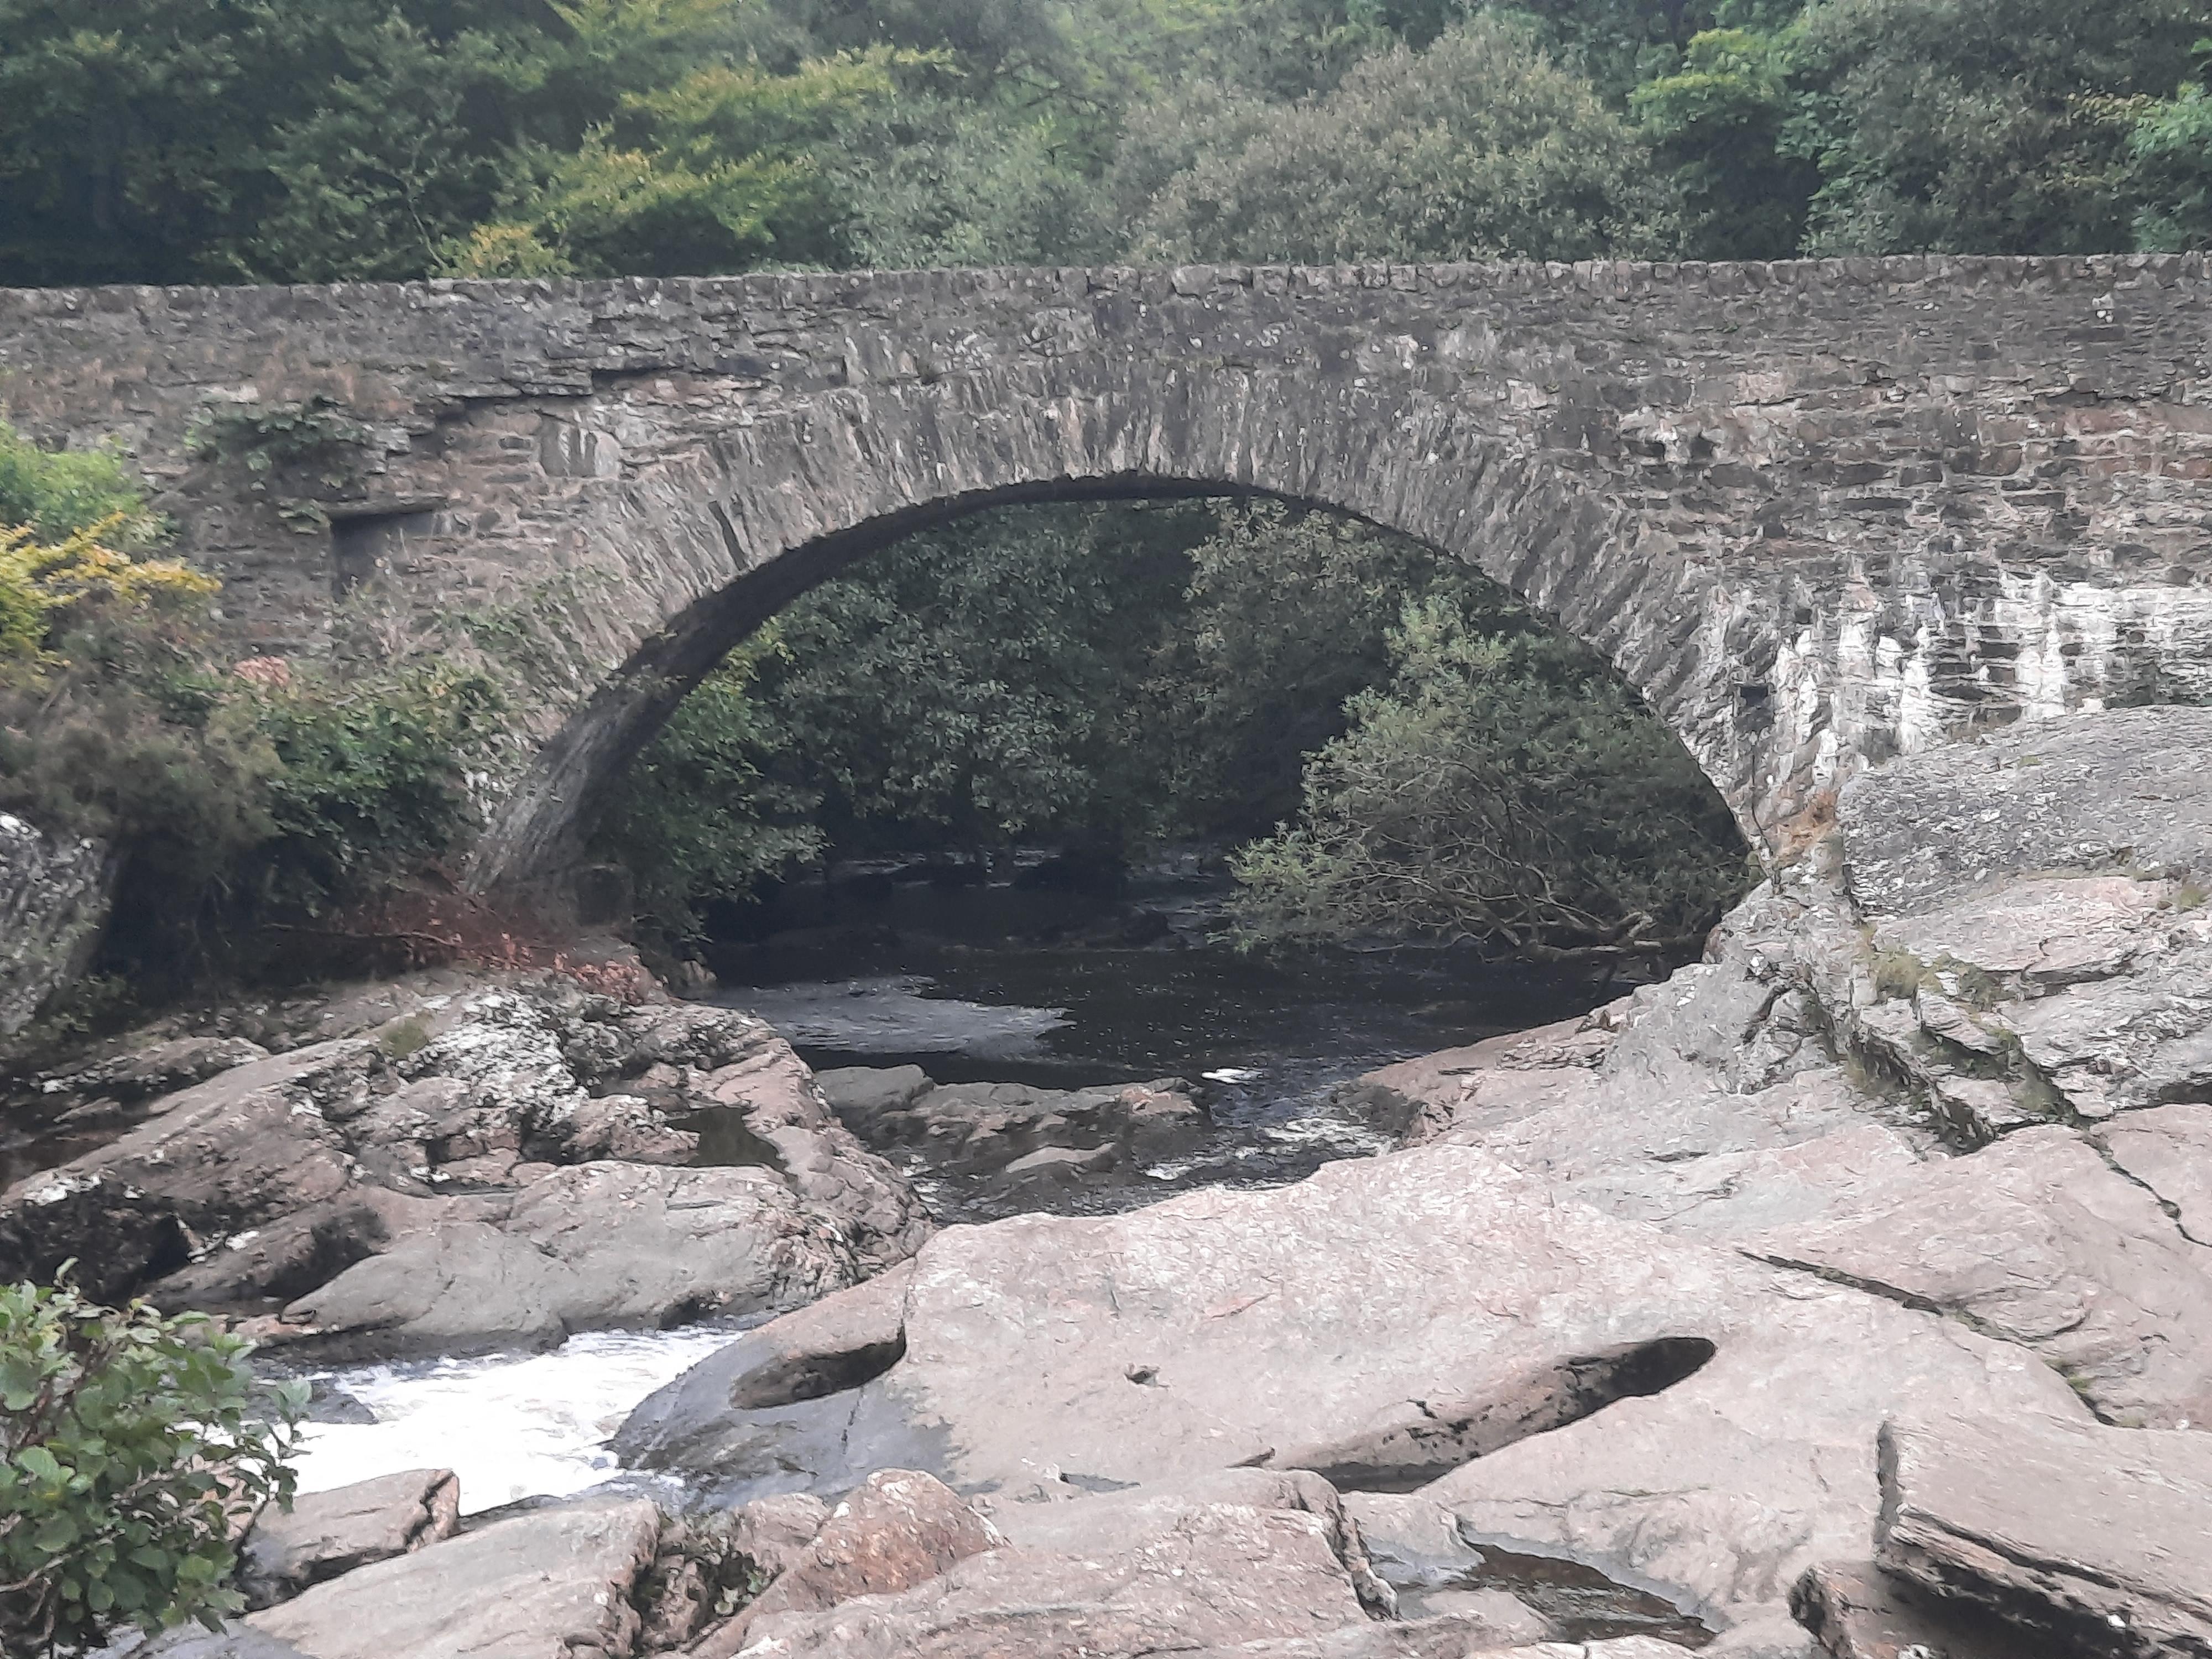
(1921, 1141)
(457, 1164)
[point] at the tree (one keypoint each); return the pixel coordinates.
(1980, 126)
(695, 818)
(2170, 148)
(1287, 616)
(1480, 147)
(1506, 791)
(131, 1447)
(1721, 122)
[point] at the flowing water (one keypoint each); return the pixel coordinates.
(971, 982)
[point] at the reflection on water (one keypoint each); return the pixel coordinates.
(999, 983)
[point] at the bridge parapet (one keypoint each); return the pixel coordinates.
(1817, 512)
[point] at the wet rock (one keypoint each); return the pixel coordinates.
(834, 1344)
(55, 892)
(1855, 1611)
(328, 1533)
(498, 1163)
(2089, 1539)
(2037, 1240)
(1006, 1147)
(897, 1529)
(555, 1583)
(1234, 1575)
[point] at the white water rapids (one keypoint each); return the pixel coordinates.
(508, 1425)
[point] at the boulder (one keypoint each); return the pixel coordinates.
(1003, 1148)
(2091, 1540)
(328, 1533)
(1234, 1575)
(826, 1348)
(772, 1533)
(554, 1583)
(497, 1163)
(54, 893)
(897, 1529)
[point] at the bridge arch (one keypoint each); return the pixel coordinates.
(789, 504)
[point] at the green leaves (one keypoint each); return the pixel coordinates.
(129, 1447)
(1504, 789)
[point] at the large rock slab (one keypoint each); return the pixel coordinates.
(2092, 1540)
(325, 1533)
(555, 1584)
(1234, 1575)
(489, 1164)
(2038, 1240)
(2122, 789)
(1678, 1412)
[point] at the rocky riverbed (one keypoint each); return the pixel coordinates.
(1849, 1292)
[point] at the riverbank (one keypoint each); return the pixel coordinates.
(1765, 1293)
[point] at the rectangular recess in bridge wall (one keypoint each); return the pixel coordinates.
(364, 540)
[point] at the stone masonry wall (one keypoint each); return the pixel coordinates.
(1820, 512)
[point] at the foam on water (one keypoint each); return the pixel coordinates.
(510, 1427)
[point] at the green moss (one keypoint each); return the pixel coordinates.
(1898, 974)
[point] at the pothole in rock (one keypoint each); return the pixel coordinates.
(1585, 1604)
(1434, 1436)
(725, 1142)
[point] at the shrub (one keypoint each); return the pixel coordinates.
(131, 1444)
(1506, 791)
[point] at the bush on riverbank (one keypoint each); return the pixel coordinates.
(131, 1446)
(1105, 680)
(238, 793)
(1501, 789)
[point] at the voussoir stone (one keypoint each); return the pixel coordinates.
(555, 1583)
(325, 1533)
(2088, 1538)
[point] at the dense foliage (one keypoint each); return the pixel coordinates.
(225, 140)
(245, 791)
(1099, 675)
(131, 1446)
(1502, 789)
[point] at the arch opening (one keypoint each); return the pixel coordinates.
(1244, 672)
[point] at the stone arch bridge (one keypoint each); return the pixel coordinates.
(1818, 513)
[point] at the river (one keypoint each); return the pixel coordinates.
(973, 982)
